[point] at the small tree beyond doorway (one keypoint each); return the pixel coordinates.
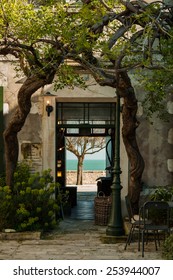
(81, 147)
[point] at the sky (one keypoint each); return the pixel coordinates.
(100, 155)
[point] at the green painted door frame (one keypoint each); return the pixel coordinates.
(1, 132)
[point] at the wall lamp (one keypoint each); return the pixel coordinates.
(49, 108)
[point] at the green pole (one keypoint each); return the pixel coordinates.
(1, 132)
(115, 225)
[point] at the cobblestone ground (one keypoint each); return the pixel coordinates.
(77, 238)
(74, 240)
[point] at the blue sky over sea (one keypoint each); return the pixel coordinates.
(94, 164)
(96, 161)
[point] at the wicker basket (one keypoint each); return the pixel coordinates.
(102, 207)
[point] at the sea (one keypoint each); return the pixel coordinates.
(89, 165)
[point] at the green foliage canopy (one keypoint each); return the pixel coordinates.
(100, 35)
(37, 37)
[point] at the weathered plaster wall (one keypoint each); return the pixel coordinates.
(156, 146)
(9, 82)
(31, 133)
(48, 132)
(170, 135)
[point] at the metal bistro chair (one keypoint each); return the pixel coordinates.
(133, 220)
(157, 212)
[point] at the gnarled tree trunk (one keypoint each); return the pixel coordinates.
(30, 86)
(136, 161)
(130, 125)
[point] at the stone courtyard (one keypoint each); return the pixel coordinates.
(77, 237)
(74, 240)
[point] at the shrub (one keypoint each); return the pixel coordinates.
(2, 180)
(32, 205)
(162, 193)
(22, 173)
(6, 207)
(168, 248)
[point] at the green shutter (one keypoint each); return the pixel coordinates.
(1, 132)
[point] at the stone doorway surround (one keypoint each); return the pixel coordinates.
(49, 134)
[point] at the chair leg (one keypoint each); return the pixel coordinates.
(142, 243)
(147, 237)
(155, 239)
(139, 239)
(158, 237)
(128, 238)
(131, 235)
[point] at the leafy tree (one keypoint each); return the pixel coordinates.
(109, 38)
(82, 146)
(37, 38)
(135, 37)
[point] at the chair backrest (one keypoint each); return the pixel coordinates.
(157, 212)
(129, 208)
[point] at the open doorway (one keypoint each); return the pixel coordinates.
(78, 121)
(85, 160)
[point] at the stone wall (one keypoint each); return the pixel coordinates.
(170, 136)
(89, 177)
(155, 140)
